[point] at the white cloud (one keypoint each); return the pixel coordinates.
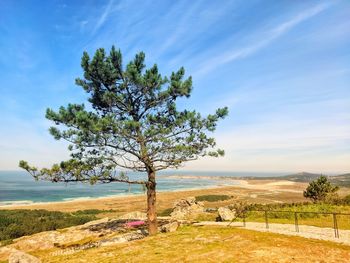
(266, 39)
(102, 19)
(287, 141)
(29, 140)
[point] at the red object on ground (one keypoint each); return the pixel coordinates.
(134, 223)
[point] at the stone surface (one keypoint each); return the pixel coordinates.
(134, 215)
(225, 214)
(21, 257)
(170, 227)
(186, 207)
(135, 235)
(68, 240)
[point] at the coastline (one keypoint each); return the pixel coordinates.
(14, 204)
(41, 193)
(266, 191)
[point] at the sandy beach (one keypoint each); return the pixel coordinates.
(262, 191)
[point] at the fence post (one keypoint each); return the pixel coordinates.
(243, 218)
(296, 222)
(335, 225)
(266, 221)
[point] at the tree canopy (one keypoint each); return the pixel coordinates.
(320, 189)
(132, 122)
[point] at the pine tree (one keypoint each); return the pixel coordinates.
(132, 123)
(320, 189)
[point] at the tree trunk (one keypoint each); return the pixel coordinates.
(151, 204)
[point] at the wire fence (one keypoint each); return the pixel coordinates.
(297, 217)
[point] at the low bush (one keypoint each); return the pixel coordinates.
(213, 198)
(17, 223)
(92, 212)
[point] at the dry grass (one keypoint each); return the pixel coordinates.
(212, 244)
(323, 221)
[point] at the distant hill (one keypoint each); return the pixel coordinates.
(340, 180)
(301, 177)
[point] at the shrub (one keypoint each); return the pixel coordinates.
(320, 189)
(17, 223)
(240, 207)
(346, 199)
(212, 198)
(91, 212)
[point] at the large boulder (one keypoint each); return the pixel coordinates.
(225, 214)
(170, 227)
(134, 215)
(186, 207)
(21, 257)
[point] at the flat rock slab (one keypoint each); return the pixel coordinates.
(21, 257)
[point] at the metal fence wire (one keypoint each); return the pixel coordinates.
(297, 216)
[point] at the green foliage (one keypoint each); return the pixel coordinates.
(133, 123)
(320, 189)
(240, 207)
(91, 212)
(17, 223)
(346, 199)
(166, 212)
(255, 212)
(213, 198)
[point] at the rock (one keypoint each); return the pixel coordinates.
(170, 227)
(21, 257)
(211, 210)
(134, 215)
(95, 222)
(226, 214)
(135, 235)
(185, 207)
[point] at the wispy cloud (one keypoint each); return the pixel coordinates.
(102, 19)
(279, 142)
(285, 74)
(267, 38)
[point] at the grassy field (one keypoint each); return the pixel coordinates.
(286, 217)
(311, 219)
(210, 244)
(289, 217)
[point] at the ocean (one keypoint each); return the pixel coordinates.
(18, 187)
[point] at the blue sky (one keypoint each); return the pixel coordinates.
(282, 67)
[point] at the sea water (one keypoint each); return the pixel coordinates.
(18, 187)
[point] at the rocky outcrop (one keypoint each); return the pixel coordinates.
(225, 214)
(21, 257)
(134, 215)
(170, 227)
(102, 232)
(135, 235)
(186, 207)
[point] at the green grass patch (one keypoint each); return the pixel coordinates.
(285, 214)
(17, 223)
(212, 198)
